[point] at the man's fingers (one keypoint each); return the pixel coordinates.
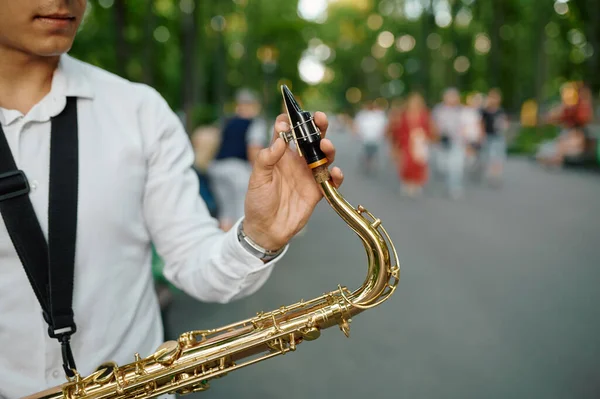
(282, 118)
(282, 124)
(267, 159)
(328, 148)
(321, 122)
(337, 176)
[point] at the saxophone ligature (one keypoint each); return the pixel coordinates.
(197, 357)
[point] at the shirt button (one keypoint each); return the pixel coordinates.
(33, 185)
(55, 374)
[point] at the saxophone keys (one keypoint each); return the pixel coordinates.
(104, 373)
(167, 353)
(203, 386)
(311, 333)
(292, 342)
(345, 327)
(139, 366)
(150, 387)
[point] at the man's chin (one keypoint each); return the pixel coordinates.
(52, 48)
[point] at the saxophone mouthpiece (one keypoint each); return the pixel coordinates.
(304, 132)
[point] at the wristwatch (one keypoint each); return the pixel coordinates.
(261, 253)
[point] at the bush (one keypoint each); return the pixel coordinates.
(529, 138)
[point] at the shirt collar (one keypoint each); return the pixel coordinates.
(73, 78)
(69, 80)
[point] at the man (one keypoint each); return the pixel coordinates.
(369, 125)
(494, 124)
(451, 155)
(136, 186)
(242, 137)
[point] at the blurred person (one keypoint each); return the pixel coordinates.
(412, 134)
(369, 126)
(472, 131)
(394, 117)
(573, 115)
(242, 137)
(129, 161)
(451, 148)
(495, 124)
(205, 142)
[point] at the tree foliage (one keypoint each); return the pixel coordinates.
(197, 53)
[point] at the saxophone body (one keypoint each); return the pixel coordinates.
(190, 363)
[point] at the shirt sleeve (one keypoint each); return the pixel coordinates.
(199, 258)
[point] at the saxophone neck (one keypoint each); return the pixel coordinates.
(383, 272)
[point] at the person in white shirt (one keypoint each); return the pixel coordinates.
(136, 186)
(472, 131)
(451, 152)
(369, 125)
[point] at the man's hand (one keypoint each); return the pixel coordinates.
(282, 192)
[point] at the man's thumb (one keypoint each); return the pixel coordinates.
(268, 158)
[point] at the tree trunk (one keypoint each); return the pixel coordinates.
(495, 51)
(200, 19)
(454, 79)
(593, 36)
(457, 79)
(188, 64)
(220, 74)
(202, 15)
(148, 53)
(427, 24)
(220, 63)
(541, 58)
(122, 51)
(250, 73)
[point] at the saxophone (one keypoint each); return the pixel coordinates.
(197, 357)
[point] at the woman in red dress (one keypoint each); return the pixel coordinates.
(412, 135)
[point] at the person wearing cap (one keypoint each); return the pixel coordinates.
(242, 137)
(135, 187)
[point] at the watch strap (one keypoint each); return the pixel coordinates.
(253, 248)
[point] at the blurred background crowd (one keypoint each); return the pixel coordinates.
(488, 108)
(445, 86)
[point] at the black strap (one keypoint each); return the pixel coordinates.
(49, 266)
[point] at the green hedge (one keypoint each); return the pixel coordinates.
(157, 270)
(529, 138)
(157, 267)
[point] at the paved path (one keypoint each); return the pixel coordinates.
(499, 296)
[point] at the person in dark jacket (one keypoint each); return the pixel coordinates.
(242, 137)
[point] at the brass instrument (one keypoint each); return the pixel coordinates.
(188, 364)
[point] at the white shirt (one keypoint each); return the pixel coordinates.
(449, 121)
(471, 123)
(370, 125)
(136, 186)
